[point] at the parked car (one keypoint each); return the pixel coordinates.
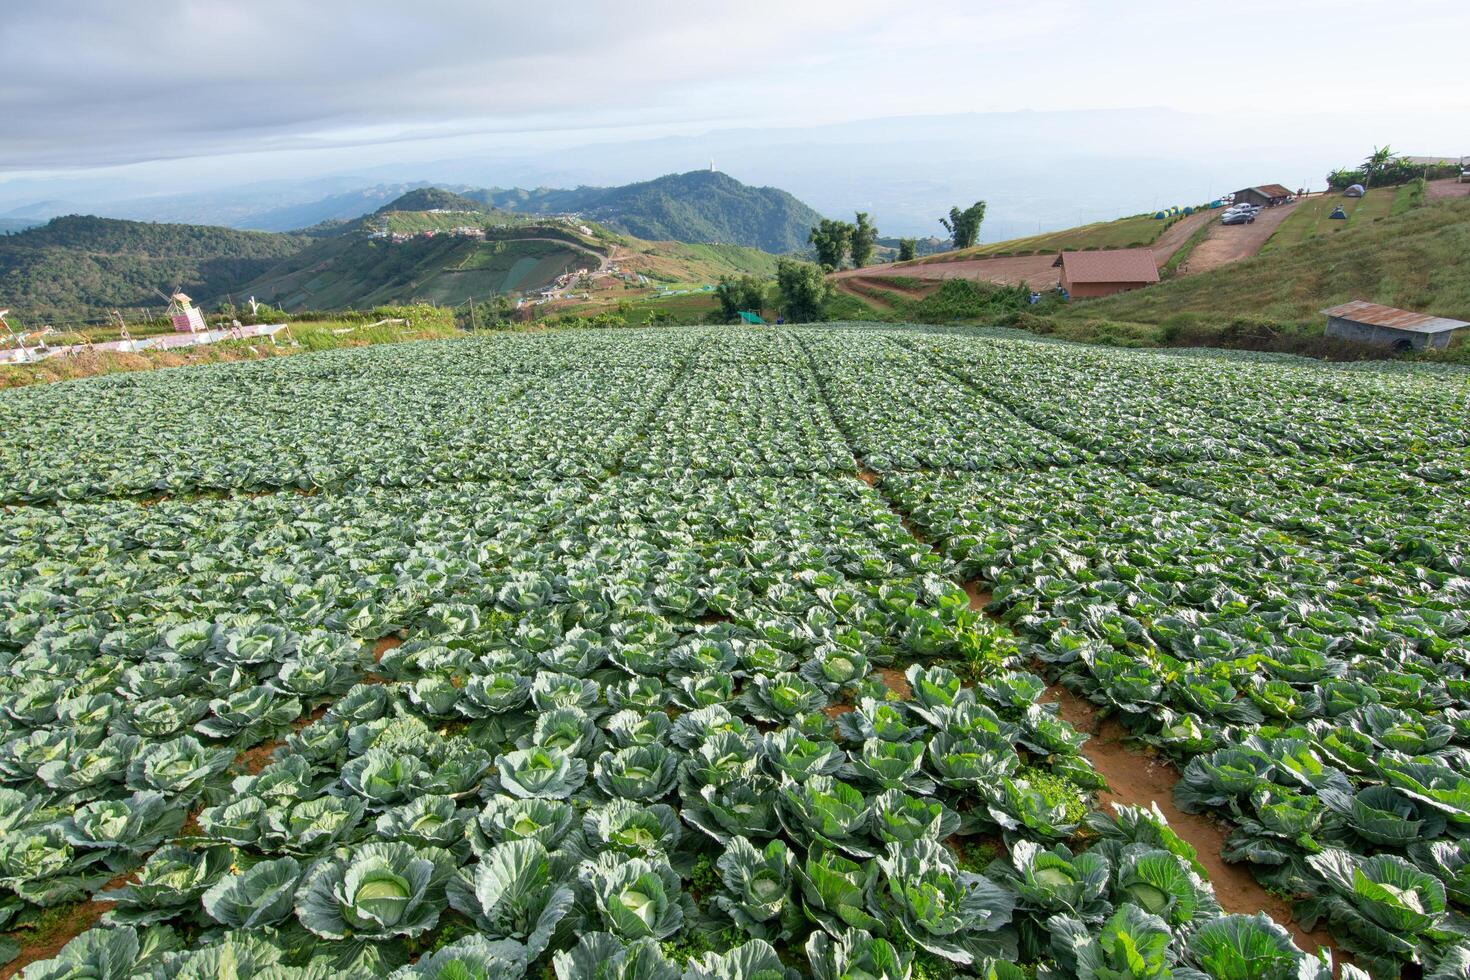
(1238, 218)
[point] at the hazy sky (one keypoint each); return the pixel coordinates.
(93, 83)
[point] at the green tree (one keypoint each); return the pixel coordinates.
(831, 239)
(864, 238)
(964, 226)
(1376, 162)
(737, 293)
(804, 290)
(907, 249)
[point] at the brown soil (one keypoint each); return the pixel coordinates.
(1231, 243)
(894, 680)
(1034, 270)
(77, 920)
(384, 645)
(1177, 234)
(979, 596)
(253, 760)
(1439, 190)
(835, 711)
(868, 476)
(310, 719)
(1141, 778)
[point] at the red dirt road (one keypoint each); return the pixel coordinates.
(1034, 270)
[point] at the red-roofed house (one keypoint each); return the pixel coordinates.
(1092, 274)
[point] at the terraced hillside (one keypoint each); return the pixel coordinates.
(356, 271)
(831, 651)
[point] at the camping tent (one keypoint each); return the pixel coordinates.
(1357, 190)
(751, 318)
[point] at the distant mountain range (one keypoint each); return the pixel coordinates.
(426, 244)
(697, 207)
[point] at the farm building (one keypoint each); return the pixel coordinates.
(1091, 274)
(1266, 196)
(1370, 323)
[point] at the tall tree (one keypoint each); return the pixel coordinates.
(804, 290)
(964, 226)
(831, 239)
(737, 293)
(907, 249)
(1376, 162)
(864, 238)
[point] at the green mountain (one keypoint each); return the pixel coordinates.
(699, 206)
(358, 270)
(83, 266)
(431, 199)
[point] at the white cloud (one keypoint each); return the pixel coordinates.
(96, 82)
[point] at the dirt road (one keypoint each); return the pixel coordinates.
(1231, 243)
(1439, 190)
(1034, 270)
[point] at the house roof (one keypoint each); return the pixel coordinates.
(1360, 311)
(1268, 190)
(1114, 265)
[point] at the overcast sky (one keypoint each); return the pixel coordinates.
(89, 83)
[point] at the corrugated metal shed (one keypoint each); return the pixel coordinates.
(1274, 190)
(1361, 311)
(1115, 265)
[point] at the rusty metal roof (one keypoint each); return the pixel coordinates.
(1361, 311)
(1114, 265)
(1274, 190)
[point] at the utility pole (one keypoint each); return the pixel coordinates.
(473, 328)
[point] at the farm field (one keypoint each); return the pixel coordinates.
(727, 654)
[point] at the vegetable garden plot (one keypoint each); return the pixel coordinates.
(1368, 505)
(1320, 699)
(742, 419)
(697, 725)
(519, 790)
(143, 648)
(901, 412)
(182, 434)
(1142, 405)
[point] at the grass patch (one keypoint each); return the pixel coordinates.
(1182, 253)
(1416, 260)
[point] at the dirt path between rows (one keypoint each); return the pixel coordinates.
(1231, 243)
(1141, 778)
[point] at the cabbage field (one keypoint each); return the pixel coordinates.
(732, 654)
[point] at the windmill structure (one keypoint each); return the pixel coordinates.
(185, 316)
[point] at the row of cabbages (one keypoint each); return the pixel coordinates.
(120, 711)
(372, 824)
(558, 773)
(1321, 698)
(609, 738)
(1141, 406)
(440, 413)
(901, 412)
